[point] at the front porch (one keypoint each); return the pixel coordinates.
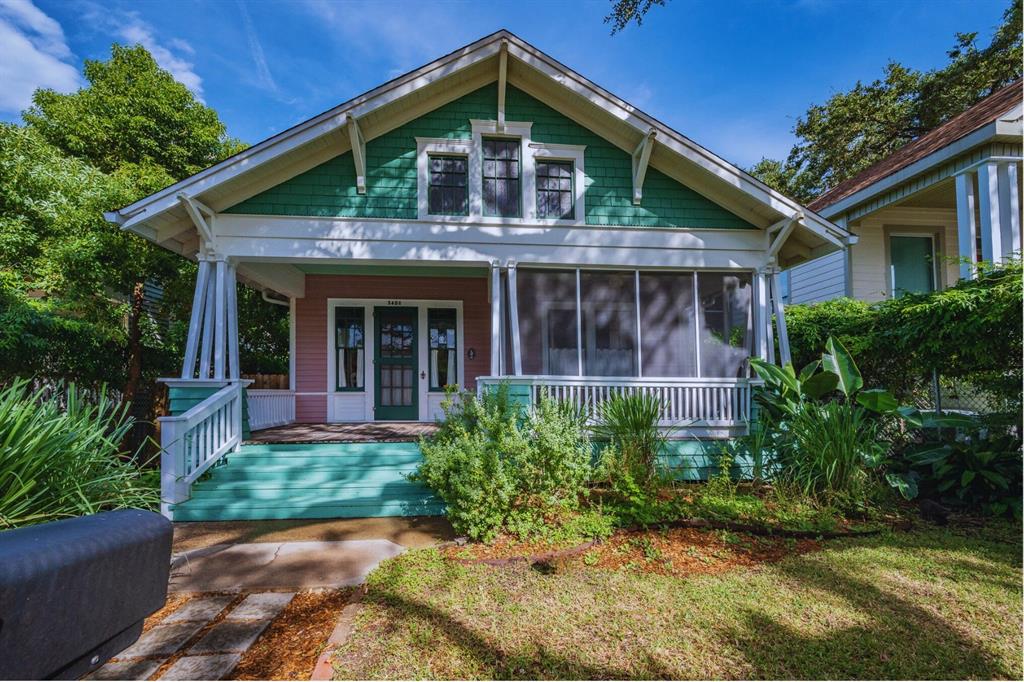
(366, 432)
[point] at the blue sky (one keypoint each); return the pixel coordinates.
(731, 74)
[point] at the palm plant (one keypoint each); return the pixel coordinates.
(60, 456)
(630, 423)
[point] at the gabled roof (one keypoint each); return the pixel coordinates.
(984, 113)
(160, 215)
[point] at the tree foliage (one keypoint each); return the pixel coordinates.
(625, 12)
(854, 129)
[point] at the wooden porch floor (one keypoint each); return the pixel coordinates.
(370, 432)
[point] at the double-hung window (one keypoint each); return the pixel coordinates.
(502, 189)
(555, 191)
(448, 191)
(442, 348)
(348, 323)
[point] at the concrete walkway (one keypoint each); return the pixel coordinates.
(278, 565)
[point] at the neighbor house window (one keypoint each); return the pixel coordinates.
(442, 348)
(501, 177)
(349, 344)
(555, 190)
(448, 192)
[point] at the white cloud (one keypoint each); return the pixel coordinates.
(134, 30)
(33, 51)
(256, 49)
(408, 34)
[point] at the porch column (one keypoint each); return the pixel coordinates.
(495, 319)
(513, 316)
(780, 321)
(762, 320)
(967, 228)
(213, 324)
(988, 203)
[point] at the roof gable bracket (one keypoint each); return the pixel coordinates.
(355, 135)
(784, 228)
(199, 212)
(502, 82)
(641, 158)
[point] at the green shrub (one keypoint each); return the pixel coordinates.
(500, 468)
(981, 471)
(629, 423)
(60, 457)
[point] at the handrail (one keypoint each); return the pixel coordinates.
(195, 440)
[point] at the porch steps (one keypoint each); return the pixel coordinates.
(311, 481)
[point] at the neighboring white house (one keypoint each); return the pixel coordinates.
(928, 212)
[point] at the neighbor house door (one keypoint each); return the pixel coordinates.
(396, 364)
(912, 264)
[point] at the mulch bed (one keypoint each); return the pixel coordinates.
(679, 551)
(289, 648)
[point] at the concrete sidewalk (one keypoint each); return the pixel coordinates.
(278, 565)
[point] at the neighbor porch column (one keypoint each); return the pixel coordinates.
(967, 228)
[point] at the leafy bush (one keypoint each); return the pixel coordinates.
(499, 468)
(980, 471)
(60, 457)
(824, 426)
(970, 330)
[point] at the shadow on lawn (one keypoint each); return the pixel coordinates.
(901, 639)
(893, 637)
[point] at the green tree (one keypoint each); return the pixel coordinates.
(857, 128)
(130, 131)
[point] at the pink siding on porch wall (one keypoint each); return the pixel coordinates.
(311, 326)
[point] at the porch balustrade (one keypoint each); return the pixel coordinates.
(193, 441)
(685, 402)
(270, 407)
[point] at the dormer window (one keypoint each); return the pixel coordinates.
(499, 176)
(449, 187)
(502, 177)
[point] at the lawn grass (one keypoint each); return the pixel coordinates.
(926, 604)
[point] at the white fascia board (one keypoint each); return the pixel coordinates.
(979, 137)
(311, 240)
(487, 47)
(305, 132)
(683, 146)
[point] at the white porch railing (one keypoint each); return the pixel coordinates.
(689, 402)
(270, 407)
(194, 440)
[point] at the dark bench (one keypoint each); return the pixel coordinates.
(74, 593)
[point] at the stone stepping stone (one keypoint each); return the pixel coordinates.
(127, 670)
(215, 667)
(261, 606)
(201, 608)
(163, 639)
(229, 636)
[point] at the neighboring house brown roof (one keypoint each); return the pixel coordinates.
(981, 114)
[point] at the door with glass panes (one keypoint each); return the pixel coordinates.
(396, 364)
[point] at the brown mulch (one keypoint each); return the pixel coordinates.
(289, 648)
(673, 551)
(681, 552)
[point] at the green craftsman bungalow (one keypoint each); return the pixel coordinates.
(492, 216)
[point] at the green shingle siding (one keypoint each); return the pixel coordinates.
(329, 190)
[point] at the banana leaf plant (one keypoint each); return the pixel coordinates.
(835, 378)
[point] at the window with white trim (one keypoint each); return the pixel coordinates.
(448, 191)
(501, 179)
(555, 193)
